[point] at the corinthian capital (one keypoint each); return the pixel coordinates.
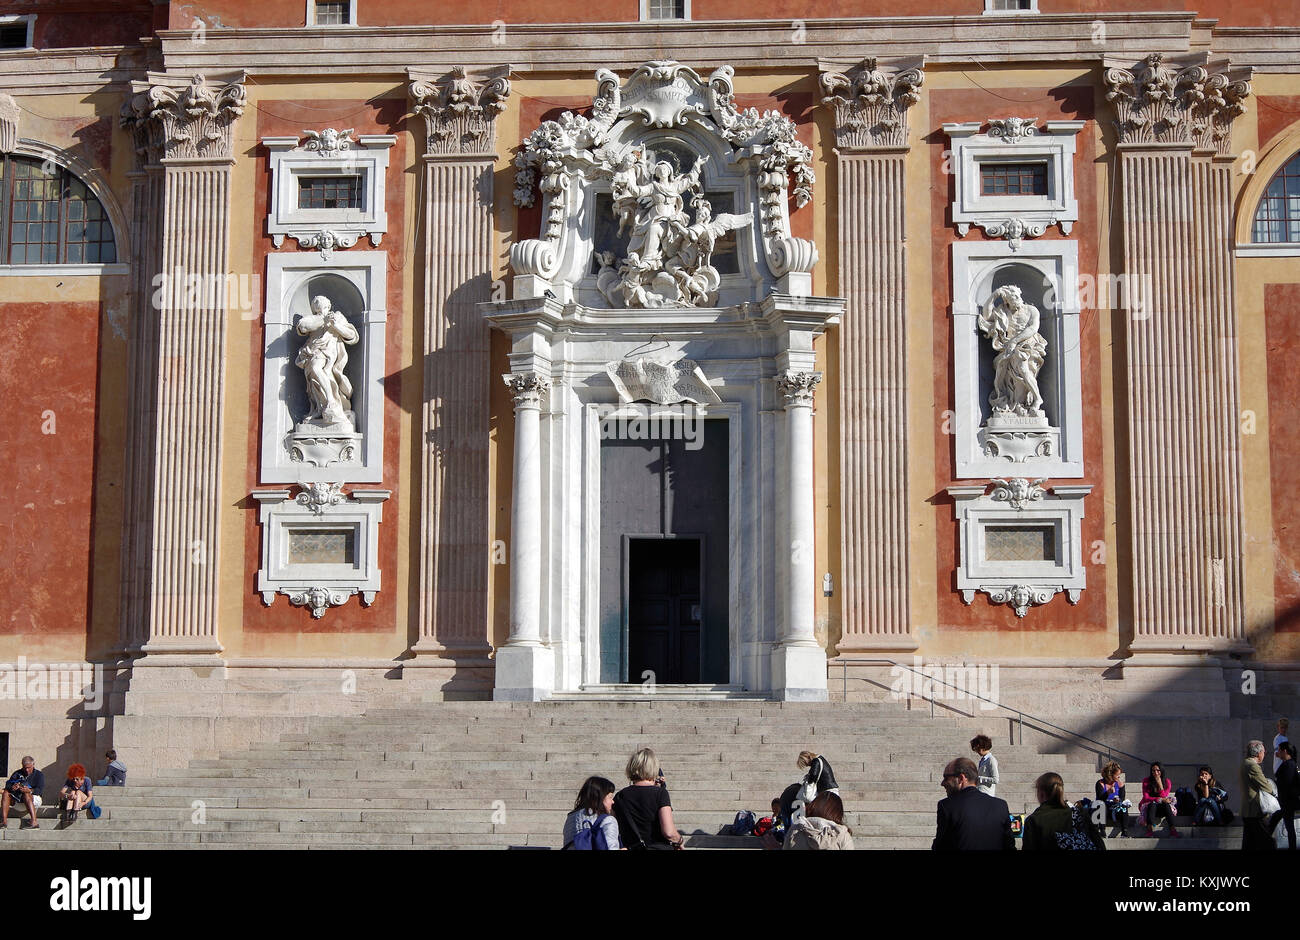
(175, 118)
(797, 387)
(871, 101)
(1158, 102)
(526, 388)
(459, 111)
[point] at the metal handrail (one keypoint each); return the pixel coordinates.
(1020, 715)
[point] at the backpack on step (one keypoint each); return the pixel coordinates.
(744, 824)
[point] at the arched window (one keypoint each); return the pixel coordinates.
(1277, 219)
(48, 216)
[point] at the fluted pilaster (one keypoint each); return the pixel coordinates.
(460, 117)
(187, 127)
(871, 104)
(1174, 125)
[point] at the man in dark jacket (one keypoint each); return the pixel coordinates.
(25, 787)
(1288, 792)
(969, 819)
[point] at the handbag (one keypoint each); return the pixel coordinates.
(93, 809)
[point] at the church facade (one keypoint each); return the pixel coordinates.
(363, 352)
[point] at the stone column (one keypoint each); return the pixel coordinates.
(460, 142)
(871, 103)
(147, 190)
(799, 662)
(1175, 175)
(195, 123)
(525, 668)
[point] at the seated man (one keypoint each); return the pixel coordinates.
(25, 787)
(114, 774)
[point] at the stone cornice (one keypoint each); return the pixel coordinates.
(1185, 100)
(184, 118)
(460, 110)
(547, 47)
(872, 101)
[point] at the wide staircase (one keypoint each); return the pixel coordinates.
(469, 775)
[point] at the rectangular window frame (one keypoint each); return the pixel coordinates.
(352, 16)
(29, 19)
(684, 18)
(989, 9)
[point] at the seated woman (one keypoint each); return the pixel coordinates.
(593, 811)
(1055, 825)
(1110, 791)
(1157, 800)
(1211, 799)
(75, 794)
(821, 826)
(643, 811)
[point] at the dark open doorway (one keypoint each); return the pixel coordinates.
(664, 609)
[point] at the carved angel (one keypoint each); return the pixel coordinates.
(329, 141)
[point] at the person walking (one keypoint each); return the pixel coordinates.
(1283, 725)
(968, 820)
(1254, 831)
(982, 745)
(1288, 793)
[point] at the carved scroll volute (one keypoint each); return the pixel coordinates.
(1158, 103)
(9, 112)
(460, 111)
(872, 101)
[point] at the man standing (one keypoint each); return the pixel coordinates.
(967, 818)
(25, 786)
(1288, 793)
(1254, 834)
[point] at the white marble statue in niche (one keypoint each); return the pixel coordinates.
(1011, 326)
(323, 359)
(668, 254)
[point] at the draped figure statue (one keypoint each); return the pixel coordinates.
(323, 359)
(1011, 326)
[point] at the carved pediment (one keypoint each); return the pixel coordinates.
(664, 147)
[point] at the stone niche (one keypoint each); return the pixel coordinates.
(1017, 394)
(298, 443)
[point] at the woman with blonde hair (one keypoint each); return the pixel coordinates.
(643, 810)
(1110, 791)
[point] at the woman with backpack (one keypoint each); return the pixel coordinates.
(1056, 825)
(592, 825)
